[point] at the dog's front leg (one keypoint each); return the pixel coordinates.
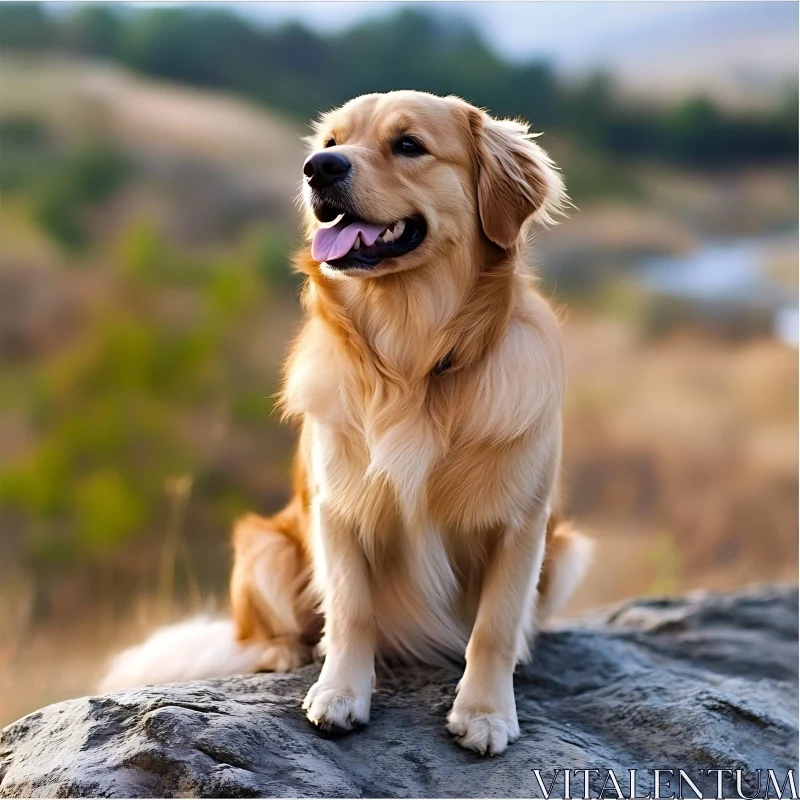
(340, 699)
(484, 714)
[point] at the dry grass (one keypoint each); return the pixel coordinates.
(155, 119)
(684, 452)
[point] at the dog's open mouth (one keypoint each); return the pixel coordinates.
(344, 241)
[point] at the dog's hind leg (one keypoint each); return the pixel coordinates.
(271, 599)
(274, 625)
(568, 555)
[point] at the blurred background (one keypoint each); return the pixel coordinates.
(149, 159)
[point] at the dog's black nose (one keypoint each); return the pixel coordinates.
(324, 169)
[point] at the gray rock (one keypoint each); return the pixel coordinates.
(700, 682)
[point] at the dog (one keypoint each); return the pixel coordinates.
(427, 381)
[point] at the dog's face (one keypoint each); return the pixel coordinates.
(398, 179)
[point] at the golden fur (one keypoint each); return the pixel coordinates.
(421, 526)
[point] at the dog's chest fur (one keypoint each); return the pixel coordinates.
(428, 474)
(452, 452)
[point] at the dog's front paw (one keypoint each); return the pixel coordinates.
(336, 708)
(486, 733)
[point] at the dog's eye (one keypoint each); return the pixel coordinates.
(330, 143)
(409, 146)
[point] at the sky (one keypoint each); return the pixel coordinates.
(571, 34)
(518, 29)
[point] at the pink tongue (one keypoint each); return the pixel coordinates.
(332, 243)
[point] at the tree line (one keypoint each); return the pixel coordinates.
(294, 69)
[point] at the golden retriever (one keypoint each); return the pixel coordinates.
(428, 383)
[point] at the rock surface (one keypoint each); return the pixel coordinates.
(699, 682)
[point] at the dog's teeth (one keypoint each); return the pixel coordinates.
(399, 228)
(332, 222)
(387, 237)
(357, 245)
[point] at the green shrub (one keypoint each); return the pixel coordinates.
(113, 415)
(107, 510)
(270, 251)
(86, 177)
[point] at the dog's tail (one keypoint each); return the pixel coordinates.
(568, 555)
(198, 648)
(273, 628)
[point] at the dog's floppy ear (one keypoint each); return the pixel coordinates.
(516, 179)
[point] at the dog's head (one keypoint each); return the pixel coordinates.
(397, 179)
